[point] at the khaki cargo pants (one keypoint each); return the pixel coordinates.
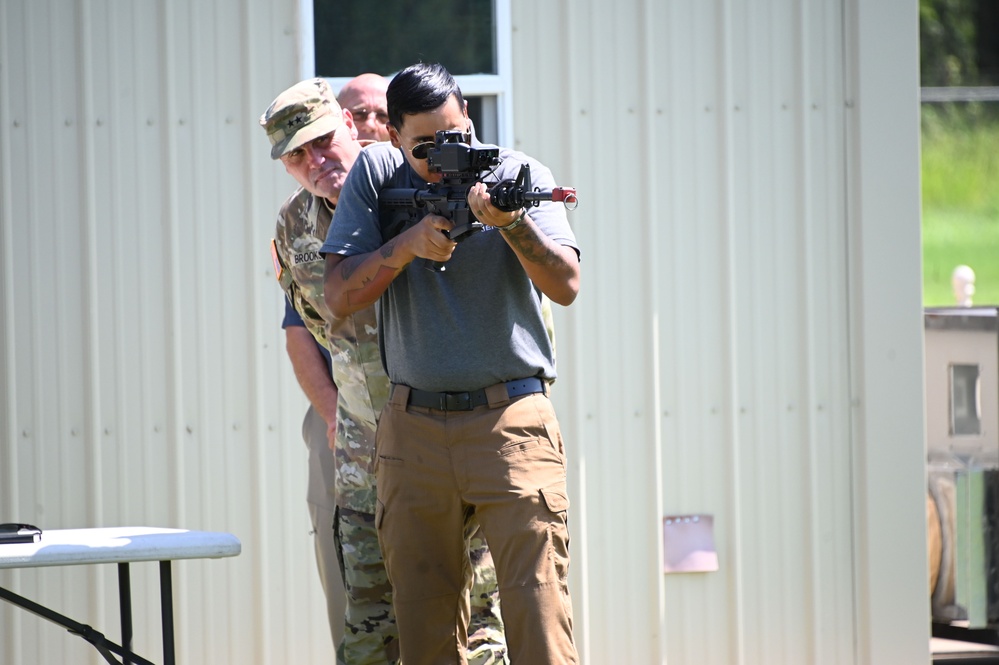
(504, 462)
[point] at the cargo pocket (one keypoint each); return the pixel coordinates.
(557, 500)
(556, 497)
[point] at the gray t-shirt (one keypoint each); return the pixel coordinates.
(479, 321)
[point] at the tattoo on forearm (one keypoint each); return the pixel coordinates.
(373, 287)
(347, 269)
(388, 249)
(531, 247)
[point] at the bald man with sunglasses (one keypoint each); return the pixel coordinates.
(364, 97)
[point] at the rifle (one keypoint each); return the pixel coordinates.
(461, 167)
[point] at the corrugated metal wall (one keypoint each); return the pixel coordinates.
(144, 373)
(746, 342)
(713, 352)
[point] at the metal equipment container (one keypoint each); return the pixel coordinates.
(962, 437)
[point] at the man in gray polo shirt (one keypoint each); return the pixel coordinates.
(468, 429)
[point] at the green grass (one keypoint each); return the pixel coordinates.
(953, 237)
(960, 182)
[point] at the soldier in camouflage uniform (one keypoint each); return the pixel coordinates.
(314, 370)
(315, 140)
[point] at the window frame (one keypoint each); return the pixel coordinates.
(494, 89)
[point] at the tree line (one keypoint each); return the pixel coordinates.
(959, 42)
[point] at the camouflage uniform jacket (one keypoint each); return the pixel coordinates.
(353, 343)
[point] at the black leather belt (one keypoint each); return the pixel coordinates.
(470, 400)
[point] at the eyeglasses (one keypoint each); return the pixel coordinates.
(362, 114)
(420, 150)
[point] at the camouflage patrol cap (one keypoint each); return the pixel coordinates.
(305, 111)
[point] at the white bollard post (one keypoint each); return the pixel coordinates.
(962, 281)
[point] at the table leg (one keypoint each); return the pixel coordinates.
(166, 609)
(125, 608)
(106, 648)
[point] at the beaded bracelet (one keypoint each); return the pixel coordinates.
(513, 225)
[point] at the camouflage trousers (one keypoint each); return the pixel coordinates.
(371, 636)
(486, 639)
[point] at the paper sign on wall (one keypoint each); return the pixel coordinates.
(689, 544)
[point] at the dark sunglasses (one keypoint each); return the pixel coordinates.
(421, 150)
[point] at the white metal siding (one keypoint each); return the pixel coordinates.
(886, 328)
(746, 341)
(144, 374)
(707, 363)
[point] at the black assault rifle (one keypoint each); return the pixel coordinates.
(462, 166)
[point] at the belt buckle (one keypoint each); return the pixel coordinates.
(456, 402)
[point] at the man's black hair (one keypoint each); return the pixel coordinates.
(420, 88)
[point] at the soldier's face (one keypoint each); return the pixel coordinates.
(322, 164)
(367, 107)
(421, 128)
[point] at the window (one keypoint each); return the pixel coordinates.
(469, 37)
(965, 400)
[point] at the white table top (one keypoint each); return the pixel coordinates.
(66, 547)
